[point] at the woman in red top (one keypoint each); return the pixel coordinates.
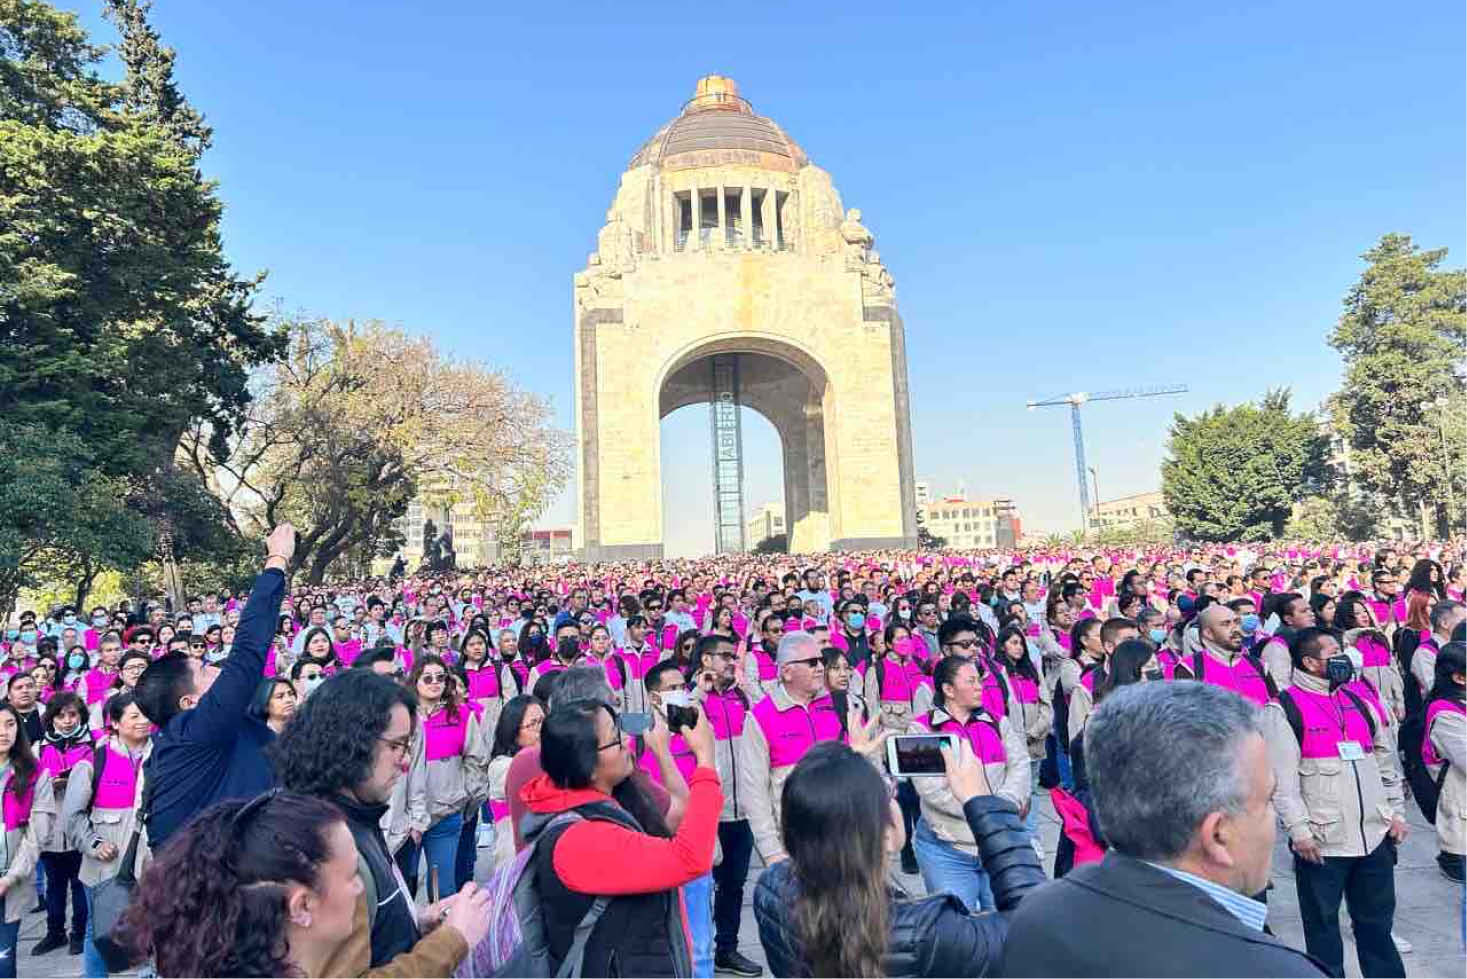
(616, 845)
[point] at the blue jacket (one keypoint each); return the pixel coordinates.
(216, 751)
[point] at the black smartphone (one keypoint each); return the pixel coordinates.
(917, 754)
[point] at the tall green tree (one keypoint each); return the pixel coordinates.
(1234, 474)
(120, 320)
(1402, 334)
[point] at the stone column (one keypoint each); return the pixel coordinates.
(767, 212)
(746, 204)
(695, 211)
(722, 234)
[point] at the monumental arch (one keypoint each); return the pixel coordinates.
(729, 273)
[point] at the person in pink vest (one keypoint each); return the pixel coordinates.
(1444, 750)
(797, 714)
(491, 683)
(66, 742)
(892, 682)
(1339, 797)
(665, 686)
(99, 809)
(1222, 661)
(27, 816)
(1295, 612)
(946, 851)
(518, 727)
(759, 662)
(100, 679)
(446, 777)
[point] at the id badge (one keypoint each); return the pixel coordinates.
(1351, 751)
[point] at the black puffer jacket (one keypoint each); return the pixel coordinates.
(931, 936)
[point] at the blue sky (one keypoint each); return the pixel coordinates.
(1070, 196)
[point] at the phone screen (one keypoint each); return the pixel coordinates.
(918, 754)
(635, 724)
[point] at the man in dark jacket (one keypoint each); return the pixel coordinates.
(208, 748)
(1181, 784)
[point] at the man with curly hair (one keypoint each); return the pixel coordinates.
(349, 743)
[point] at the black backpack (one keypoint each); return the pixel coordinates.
(1425, 790)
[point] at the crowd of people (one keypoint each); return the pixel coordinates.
(369, 777)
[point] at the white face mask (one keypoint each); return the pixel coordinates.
(677, 698)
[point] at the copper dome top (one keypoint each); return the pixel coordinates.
(717, 127)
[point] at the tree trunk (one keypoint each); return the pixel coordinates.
(84, 584)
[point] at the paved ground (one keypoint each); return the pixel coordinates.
(1429, 911)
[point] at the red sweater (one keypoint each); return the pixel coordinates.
(598, 857)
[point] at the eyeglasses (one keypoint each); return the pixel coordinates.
(399, 746)
(812, 662)
(963, 644)
(432, 678)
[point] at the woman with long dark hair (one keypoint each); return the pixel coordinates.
(29, 806)
(265, 887)
(620, 848)
(1355, 621)
(447, 774)
(1426, 577)
(518, 726)
(1031, 705)
(490, 681)
(829, 909)
(893, 683)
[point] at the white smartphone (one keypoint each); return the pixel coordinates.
(918, 754)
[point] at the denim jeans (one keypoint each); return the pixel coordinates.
(63, 868)
(945, 868)
(698, 896)
(9, 942)
(440, 847)
(92, 965)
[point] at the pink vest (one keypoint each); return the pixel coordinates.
(993, 698)
(484, 682)
(348, 651)
(682, 756)
(899, 681)
(17, 812)
(1373, 652)
(790, 733)
(1328, 720)
(96, 684)
(982, 734)
(1242, 678)
(1381, 610)
(56, 762)
(1026, 691)
(768, 670)
(118, 788)
(498, 810)
(1076, 822)
(1439, 706)
(727, 712)
(445, 737)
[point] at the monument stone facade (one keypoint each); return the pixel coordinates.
(725, 244)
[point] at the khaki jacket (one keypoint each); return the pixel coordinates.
(438, 789)
(86, 830)
(1037, 718)
(1010, 781)
(1448, 735)
(437, 953)
(760, 785)
(1344, 806)
(23, 844)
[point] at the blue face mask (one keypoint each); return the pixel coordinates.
(28, 636)
(855, 619)
(1251, 623)
(12, 634)
(1158, 636)
(76, 661)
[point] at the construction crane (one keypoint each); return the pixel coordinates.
(1077, 398)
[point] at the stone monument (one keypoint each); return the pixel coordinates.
(728, 271)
